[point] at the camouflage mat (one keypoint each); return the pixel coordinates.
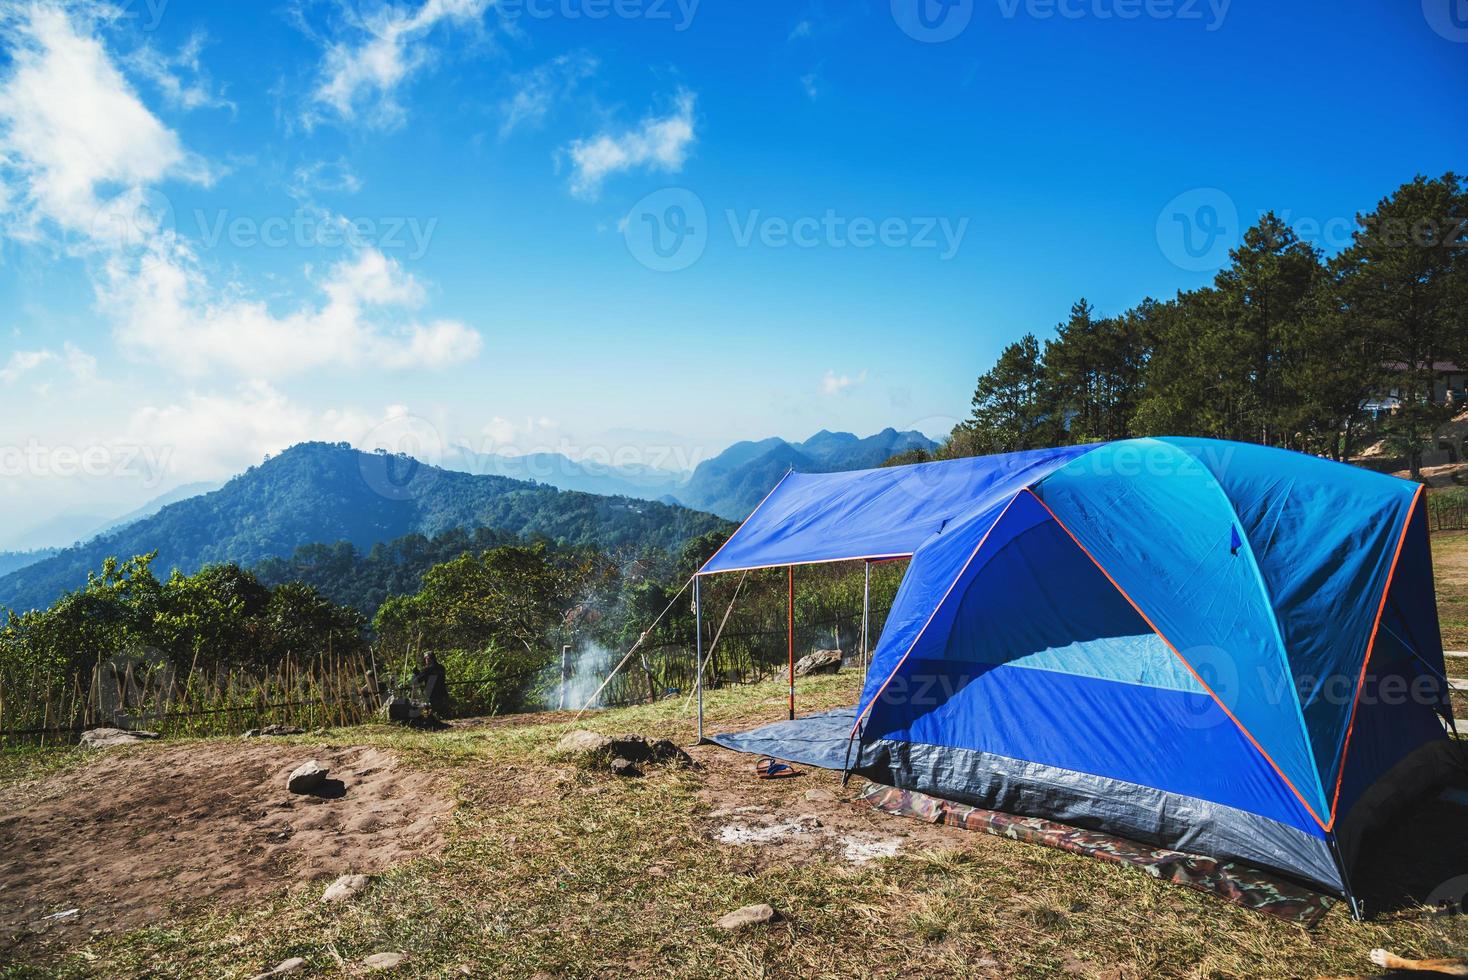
(1235, 883)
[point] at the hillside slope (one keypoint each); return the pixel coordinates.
(320, 492)
(735, 481)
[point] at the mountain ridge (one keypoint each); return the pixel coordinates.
(329, 492)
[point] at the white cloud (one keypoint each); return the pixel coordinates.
(538, 90)
(835, 384)
(81, 366)
(800, 30)
(324, 176)
(214, 436)
(657, 143)
(167, 310)
(69, 124)
(811, 82)
(23, 362)
(181, 77)
(360, 80)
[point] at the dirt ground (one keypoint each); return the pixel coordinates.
(143, 830)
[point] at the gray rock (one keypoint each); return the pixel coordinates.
(272, 730)
(623, 767)
(582, 743)
(750, 915)
(637, 748)
(103, 738)
(293, 965)
(306, 777)
(385, 961)
(345, 888)
(818, 662)
(821, 796)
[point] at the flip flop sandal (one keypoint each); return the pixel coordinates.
(768, 767)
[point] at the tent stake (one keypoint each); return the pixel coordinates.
(790, 633)
(698, 648)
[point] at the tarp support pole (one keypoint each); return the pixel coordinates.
(866, 606)
(790, 632)
(698, 648)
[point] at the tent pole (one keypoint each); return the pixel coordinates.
(866, 605)
(698, 648)
(790, 633)
(1358, 908)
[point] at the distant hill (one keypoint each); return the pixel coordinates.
(564, 473)
(13, 560)
(155, 505)
(58, 531)
(321, 492)
(734, 482)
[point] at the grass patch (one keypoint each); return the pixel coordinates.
(551, 870)
(1450, 574)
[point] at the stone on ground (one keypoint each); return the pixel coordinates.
(818, 662)
(750, 915)
(820, 796)
(637, 748)
(307, 777)
(274, 730)
(582, 743)
(385, 961)
(104, 738)
(622, 767)
(345, 888)
(293, 965)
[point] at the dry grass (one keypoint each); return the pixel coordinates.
(551, 870)
(1450, 574)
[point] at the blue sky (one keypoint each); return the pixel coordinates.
(632, 229)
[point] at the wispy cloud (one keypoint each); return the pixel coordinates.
(323, 176)
(811, 82)
(656, 143)
(537, 91)
(800, 30)
(360, 77)
(79, 365)
(23, 362)
(835, 384)
(181, 77)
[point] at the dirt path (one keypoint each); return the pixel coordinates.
(139, 830)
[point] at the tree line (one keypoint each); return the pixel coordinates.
(1288, 347)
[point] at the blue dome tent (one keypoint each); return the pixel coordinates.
(1215, 647)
